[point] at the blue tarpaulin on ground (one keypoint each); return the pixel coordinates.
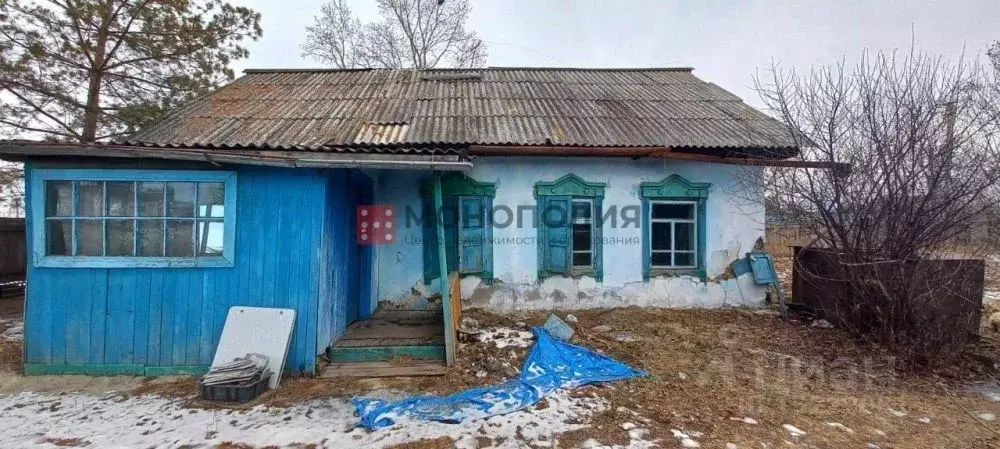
(551, 365)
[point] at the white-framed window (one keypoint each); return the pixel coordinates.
(583, 232)
(673, 234)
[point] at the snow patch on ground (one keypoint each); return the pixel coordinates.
(14, 330)
(837, 425)
(505, 337)
(687, 438)
(637, 440)
(151, 421)
(794, 431)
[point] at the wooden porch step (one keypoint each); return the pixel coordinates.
(348, 354)
(384, 369)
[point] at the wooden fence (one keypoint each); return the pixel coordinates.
(13, 251)
(946, 295)
(779, 240)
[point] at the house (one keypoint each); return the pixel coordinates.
(533, 188)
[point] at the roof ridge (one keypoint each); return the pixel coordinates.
(547, 69)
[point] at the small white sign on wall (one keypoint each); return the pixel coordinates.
(262, 330)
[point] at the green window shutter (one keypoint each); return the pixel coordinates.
(468, 250)
(472, 235)
(554, 224)
(431, 270)
(451, 217)
(555, 245)
(598, 230)
(487, 274)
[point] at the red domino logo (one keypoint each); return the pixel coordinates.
(376, 225)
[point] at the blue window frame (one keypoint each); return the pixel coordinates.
(673, 227)
(468, 227)
(569, 216)
(132, 218)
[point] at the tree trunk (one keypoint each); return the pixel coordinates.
(92, 114)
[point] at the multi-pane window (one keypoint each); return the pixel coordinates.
(673, 239)
(583, 232)
(568, 215)
(137, 219)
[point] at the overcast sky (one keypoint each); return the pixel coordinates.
(725, 41)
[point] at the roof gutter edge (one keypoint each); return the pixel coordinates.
(292, 159)
(651, 152)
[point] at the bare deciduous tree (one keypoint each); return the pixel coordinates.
(920, 135)
(409, 33)
(86, 70)
(11, 189)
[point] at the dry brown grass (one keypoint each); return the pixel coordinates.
(10, 356)
(11, 352)
(736, 364)
(779, 240)
(740, 363)
(437, 443)
(66, 442)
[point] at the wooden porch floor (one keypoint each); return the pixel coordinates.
(395, 328)
(391, 343)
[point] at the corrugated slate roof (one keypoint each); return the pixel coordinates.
(353, 109)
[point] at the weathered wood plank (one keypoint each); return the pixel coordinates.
(383, 369)
(376, 328)
(372, 342)
(383, 353)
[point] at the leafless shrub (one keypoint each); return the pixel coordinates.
(920, 136)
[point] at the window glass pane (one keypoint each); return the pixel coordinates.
(684, 236)
(121, 202)
(180, 199)
(661, 235)
(59, 237)
(581, 237)
(90, 194)
(151, 238)
(581, 259)
(211, 199)
(681, 211)
(121, 237)
(684, 259)
(660, 259)
(581, 210)
(180, 238)
(151, 199)
(210, 238)
(58, 198)
(89, 237)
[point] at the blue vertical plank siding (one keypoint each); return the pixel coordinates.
(293, 238)
(337, 237)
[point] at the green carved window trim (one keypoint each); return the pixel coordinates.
(455, 186)
(458, 184)
(572, 186)
(676, 188)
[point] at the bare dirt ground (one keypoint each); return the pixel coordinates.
(11, 313)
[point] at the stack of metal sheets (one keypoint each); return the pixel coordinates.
(242, 370)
